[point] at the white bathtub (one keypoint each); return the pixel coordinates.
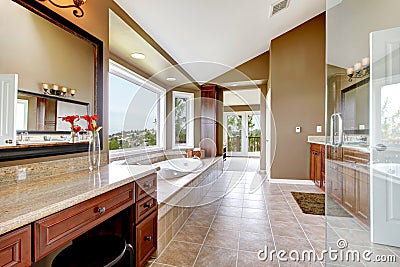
(392, 169)
(175, 168)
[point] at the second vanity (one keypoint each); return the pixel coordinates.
(40, 215)
(344, 175)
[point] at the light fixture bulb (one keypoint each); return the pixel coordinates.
(138, 56)
(171, 79)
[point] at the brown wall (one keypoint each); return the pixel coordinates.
(297, 69)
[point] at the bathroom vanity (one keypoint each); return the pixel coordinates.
(40, 215)
(344, 174)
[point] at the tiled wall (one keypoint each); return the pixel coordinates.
(57, 167)
(173, 213)
(46, 168)
(147, 157)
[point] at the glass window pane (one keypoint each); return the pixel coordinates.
(133, 115)
(254, 133)
(234, 133)
(181, 114)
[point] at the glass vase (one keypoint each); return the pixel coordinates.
(74, 137)
(94, 151)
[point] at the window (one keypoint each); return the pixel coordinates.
(21, 119)
(183, 115)
(136, 108)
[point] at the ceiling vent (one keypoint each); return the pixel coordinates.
(279, 6)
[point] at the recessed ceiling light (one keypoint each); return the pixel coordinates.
(234, 84)
(138, 56)
(171, 79)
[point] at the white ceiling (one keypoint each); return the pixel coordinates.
(227, 32)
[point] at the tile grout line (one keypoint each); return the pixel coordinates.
(269, 220)
(294, 214)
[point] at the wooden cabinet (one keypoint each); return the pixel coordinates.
(349, 188)
(209, 119)
(146, 239)
(362, 194)
(317, 164)
(347, 176)
(145, 207)
(60, 228)
(15, 248)
(146, 186)
(334, 180)
(144, 229)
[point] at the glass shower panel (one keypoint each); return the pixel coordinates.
(362, 131)
(385, 137)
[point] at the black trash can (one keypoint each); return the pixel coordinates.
(97, 251)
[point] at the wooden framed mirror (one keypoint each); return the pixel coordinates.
(90, 84)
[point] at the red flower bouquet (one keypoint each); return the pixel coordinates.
(92, 124)
(94, 141)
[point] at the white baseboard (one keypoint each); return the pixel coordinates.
(290, 181)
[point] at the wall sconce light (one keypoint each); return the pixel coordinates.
(78, 11)
(360, 69)
(56, 90)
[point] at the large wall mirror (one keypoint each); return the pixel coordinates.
(355, 108)
(40, 46)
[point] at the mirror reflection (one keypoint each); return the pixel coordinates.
(355, 108)
(52, 56)
(41, 113)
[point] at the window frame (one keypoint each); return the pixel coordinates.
(189, 119)
(127, 74)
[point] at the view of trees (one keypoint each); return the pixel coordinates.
(133, 139)
(390, 121)
(235, 133)
(180, 120)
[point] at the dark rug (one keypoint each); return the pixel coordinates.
(314, 203)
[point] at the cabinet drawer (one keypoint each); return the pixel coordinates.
(144, 207)
(146, 239)
(146, 186)
(15, 248)
(58, 229)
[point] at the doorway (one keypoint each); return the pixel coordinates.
(242, 133)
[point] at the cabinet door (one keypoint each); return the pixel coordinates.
(15, 248)
(362, 199)
(146, 239)
(8, 108)
(335, 180)
(349, 188)
(318, 169)
(312, 164)
(323, 167)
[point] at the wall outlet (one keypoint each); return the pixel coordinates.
(298, 129)
(319, 129)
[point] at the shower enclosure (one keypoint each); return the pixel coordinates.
(363, 132)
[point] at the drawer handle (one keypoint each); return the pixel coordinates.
(101, 210)
(147, 205)
(147, 186)
(147, 238)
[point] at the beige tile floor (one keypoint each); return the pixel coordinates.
(241, 221)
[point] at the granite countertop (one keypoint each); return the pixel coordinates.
(320, 140)
(27, 199)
